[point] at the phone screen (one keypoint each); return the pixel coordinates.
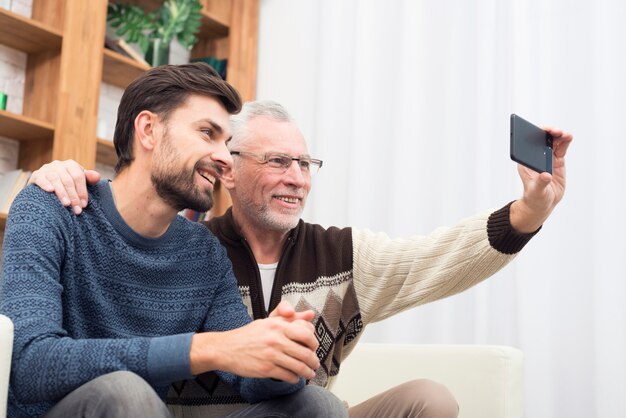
(531, 146)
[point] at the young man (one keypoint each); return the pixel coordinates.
(113, 306)
(350, 278)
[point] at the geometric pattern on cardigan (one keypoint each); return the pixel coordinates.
(337, 322)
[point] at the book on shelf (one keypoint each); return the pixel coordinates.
(111, 44)
(217, 64)
(10, 185)
(7, 181)
(130, 51)
(193, 215)
(123, 48)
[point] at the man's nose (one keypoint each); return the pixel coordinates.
(295, 175)
(223, 158)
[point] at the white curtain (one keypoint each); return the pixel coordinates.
(408, 104)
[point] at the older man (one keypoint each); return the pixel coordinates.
(349, 277)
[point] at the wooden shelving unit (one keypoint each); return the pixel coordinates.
(67, 63)
(3, 221)
(24, 128)
(120, 70)
(105, 152)
(27, 35)
(213, 26)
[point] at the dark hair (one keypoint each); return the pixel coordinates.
(161, 90)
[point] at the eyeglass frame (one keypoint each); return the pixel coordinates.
(264, 159)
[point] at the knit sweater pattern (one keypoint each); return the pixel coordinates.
(89, 296)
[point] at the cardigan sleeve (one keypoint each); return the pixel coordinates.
(393, 275)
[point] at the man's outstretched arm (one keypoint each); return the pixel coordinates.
(408, 272)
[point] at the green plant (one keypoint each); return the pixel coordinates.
(176, 18)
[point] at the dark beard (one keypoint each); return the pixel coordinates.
(179, 190)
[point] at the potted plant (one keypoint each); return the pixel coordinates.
(155, 31)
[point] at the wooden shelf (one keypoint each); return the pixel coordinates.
(105, 152)
(3, 220)
(27, 35)
(24, 128)
(120, 70)
(212, 26)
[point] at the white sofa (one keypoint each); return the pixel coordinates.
(6, 347)
(486, 380)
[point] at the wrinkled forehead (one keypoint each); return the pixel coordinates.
(267, 135)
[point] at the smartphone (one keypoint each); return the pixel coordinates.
(531, 146)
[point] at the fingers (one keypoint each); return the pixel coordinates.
(545, 178)
(67, 183)
(76, 186)
(302, 332)
(562, 144)
(298, 355)
(533, 181)
(283, 309)
(67, 180)
(561, 141)
(299, 362)
(542, 183)
(295, 348)
(92, 176)
(39, 178)
(286, 311)
(305, 315)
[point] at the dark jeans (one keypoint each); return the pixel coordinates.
(124, 394)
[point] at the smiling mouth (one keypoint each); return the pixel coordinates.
(207, 176)
(292, 200)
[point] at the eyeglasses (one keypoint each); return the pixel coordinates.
(283, 161)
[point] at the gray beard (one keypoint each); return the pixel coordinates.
(269, 220)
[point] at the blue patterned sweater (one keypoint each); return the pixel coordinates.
(89, 296)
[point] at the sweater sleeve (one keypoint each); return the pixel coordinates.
(47, 363)
(391, 276)
(228, 312)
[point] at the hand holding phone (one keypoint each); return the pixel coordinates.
(531, 146)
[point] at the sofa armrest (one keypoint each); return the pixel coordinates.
(486, 380)
(6, 348)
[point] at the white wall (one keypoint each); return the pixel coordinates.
(407, 103)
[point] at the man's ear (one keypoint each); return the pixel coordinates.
(145, 129)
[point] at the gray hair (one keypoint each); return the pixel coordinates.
(265, 108)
